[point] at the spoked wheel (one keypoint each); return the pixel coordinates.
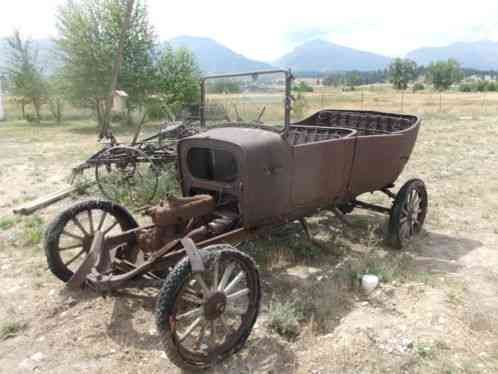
(127, 175)
(408, 213)
(69, 237)
(203, 318)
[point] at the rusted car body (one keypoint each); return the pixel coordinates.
(327, 159)
(235, 181)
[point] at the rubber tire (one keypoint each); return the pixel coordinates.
(166, 303)
(54, 231)
(394, 238)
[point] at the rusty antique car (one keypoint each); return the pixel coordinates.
(235, 181)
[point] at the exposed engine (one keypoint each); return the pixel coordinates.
(195, 217)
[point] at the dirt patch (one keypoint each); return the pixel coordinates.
(434, 312)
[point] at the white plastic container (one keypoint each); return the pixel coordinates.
(369, 282)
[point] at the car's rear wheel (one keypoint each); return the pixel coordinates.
(408, 213)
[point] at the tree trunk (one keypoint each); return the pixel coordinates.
(116, 67)
(23, 111)
(37, 105)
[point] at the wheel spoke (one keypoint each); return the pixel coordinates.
(102, 219)
(226, 276)
(79, 245)
(189, 329)
(192, 298)
(203, 285)
(200, 337)
(216, 274)
(71, 235)
(402, 220)
(404, 230)
(197, 312)
(110, 227)
(234, 282)
(212, 336)
(79, 225)
(238, 294)
(78, 255)
(90, 221)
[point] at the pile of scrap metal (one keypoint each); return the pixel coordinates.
(114, 158)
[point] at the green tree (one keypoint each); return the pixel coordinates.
(442, 74)
(352, 79)
(402, 71)
(24, 74)
(56, 90)
(176, 81)
(89, 33)
(302, 86)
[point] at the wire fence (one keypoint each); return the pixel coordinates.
(268, 106)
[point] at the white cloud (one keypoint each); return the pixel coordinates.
(266, 29)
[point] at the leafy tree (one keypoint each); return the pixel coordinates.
(89, 32)
(353, 79)
(302, 86)
(176, 81)
(401, 71)
(23, 73)
(56, 90)
(418, 87)
(442, 74)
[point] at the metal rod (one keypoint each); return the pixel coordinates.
(373, 207)
(257, 72)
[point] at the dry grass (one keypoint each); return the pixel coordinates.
(435, 311)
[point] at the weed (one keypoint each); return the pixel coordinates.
(425, 351)
(7, 222)
(11, 329)
(33, 230)
(283, 318)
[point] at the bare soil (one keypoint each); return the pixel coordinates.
(435, 310)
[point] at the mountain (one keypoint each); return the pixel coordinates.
(45, 48)
(214, 57)
(319, 55)
(482, 55)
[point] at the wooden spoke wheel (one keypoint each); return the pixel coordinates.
(127, 175)
(69, 237)
(408, 213)
(203, 318)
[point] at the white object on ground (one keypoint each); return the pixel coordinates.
(369, 282)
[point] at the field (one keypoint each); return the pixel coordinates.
(435, 311)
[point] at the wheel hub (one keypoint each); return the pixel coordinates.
(215, 306)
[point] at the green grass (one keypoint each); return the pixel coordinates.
(7, 222)
(33, 230)
(10, 329)
(283, 318)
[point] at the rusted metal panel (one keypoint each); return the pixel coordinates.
(320, 171)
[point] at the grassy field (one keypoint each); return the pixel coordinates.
(436, 310)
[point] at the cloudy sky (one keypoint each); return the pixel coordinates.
(266, 29)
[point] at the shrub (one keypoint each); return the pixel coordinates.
(418, 87)
(466, 87)
(283, 318)
(303, 87)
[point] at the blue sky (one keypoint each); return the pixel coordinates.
(266, 29)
